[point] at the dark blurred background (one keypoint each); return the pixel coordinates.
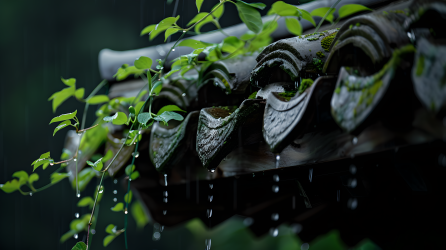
(42, 41)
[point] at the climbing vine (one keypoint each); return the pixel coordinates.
(136, 114)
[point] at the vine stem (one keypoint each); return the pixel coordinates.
(325, 16)
(128, 190)
(84, 117)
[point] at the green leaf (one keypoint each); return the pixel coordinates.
(118, 118)
(118, 207)
(67, 235)
(45, 155)
(79, 93)
(69, 82)
(108, 239)
(232, 44)
(138, 214)
(169, 108)
(283, 9)
(96, 165)
(197, 18)
(250, 16)
(260, 6)
(148, 29)
(129, 169)
(61, 96)
(167, 116)
(218, 12)
(307, 16)
(56, 177)
(320, 12)
(156, 89)
(63, 118)
(128, 197)
(138, 107)
(86, 201)
(169, 32)
(32, 178)
(350, 9)
(39, 162)
(143, 62)
(111, 229)
(131, 111)
(10, 186)
(84, 177)
(22, 175)
(293, 26)
(61, 126)
(134, 175)
(176, 68)
(98, 99)
(79, 246)
(124, 72)
(107, 156)
(199, 3)
(163, 25)
(143, 118)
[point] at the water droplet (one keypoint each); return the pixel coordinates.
(209, 213)
(211, 186)
(115, 200)
(126, 212)
(352, 203)
(212, 170)
(140, 132)
(135, 155)
(166, 194)
(164, 212)
(76, 215)
(165, 200)
(310, 174)
(210, 197)
(115, 191)
(352, 183)
(275, 189)
(184, 31)
(115, 181)
(248, 221)
(276, 178)
(165, 179)
(156, 236)
(161, 228)
(173, 49)
(274, 232)
(51, 164)
(277, 157)
(78, 195)
(184, 94)
(253, 175)
(275, 216)
(355, 140)
(75, 236)
(353, 169)
(297, 228)
(93, 231)
(31, 194)
(305, 246)
(79, 134)
(207, 242)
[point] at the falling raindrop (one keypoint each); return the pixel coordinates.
(275, 189)
(31, 194)
(126, 212)
(276, 178)
(156, 236)
(274, 232)
(338, 195)
(297, 228)
(136, 155)
(352, 183)
(210, 197)
(211, 186)
(93, 231)
(164, 212)
(76, 215)
(165, 200)
(115, 181)
(275, 216)
(209, 213)
(184, 94)
(161, 228)
(253, 175)
(75, 159)
(352, 203)
(207, 242)
(75, 236)
(165, 180)
(305, 246)
(355, 140)
(277, 160)
(310, 174)
(115, 200)
(78, 195)
(353, 169)
(248, 221)
(115, 191)
(165, 193)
